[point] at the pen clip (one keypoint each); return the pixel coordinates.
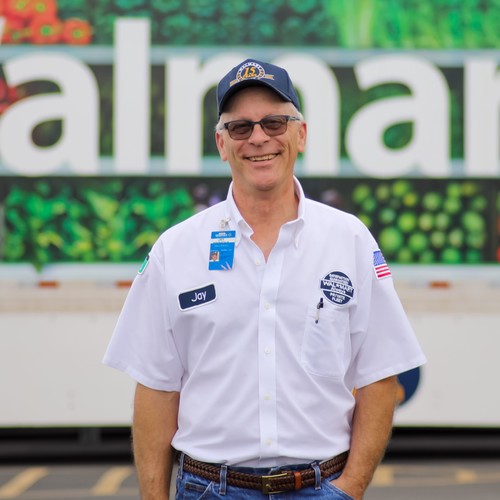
(318, 307)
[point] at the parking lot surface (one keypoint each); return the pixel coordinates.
(408, 480)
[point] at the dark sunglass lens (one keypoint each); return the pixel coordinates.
(274, 122)
(239, 129)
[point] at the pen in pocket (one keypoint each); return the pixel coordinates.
(318, 307)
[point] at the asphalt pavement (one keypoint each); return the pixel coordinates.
(439, 479)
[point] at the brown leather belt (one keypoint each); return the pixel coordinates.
(281, 481)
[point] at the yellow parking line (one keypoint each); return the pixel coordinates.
(466, 476)
(24, 480)
(384, 476)
(109, 483)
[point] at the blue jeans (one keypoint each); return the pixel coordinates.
(192, 487)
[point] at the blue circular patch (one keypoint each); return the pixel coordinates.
(337, 287)
(409, 381)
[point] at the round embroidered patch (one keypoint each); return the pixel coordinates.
(337, 287)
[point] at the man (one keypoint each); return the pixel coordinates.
(252, 325)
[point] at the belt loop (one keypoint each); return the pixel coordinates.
(298, 480)
(223, 480)
(317, 476)
(181, 465)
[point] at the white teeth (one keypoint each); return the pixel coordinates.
(261, 158)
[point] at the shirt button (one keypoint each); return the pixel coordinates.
(269, 442)
(267, 306)
(267, 350)
(267, 397)
(257, 262)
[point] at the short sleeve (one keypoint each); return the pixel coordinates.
(382, 339)
(142, 344)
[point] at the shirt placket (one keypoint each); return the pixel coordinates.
(271, 274)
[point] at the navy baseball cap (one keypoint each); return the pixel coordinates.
(254, 73)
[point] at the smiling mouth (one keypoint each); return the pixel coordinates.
(262, 158)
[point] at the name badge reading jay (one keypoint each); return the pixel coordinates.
(197, 297)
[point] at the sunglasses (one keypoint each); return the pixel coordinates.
(271, 125)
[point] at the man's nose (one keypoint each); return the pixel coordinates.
(258, 134)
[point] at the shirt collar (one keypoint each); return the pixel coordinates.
(237, 222)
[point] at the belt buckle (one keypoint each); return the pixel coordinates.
(266, 486)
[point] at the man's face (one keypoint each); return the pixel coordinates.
(261, 162)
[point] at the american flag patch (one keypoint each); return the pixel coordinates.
(380, 265)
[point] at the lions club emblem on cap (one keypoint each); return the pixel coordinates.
(250, 71)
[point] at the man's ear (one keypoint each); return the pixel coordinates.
(219, 141)
(302, 137)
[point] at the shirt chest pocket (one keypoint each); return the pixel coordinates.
(326, 342)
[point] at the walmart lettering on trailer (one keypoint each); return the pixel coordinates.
(194, 72)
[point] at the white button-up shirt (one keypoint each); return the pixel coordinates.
(266, 354)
